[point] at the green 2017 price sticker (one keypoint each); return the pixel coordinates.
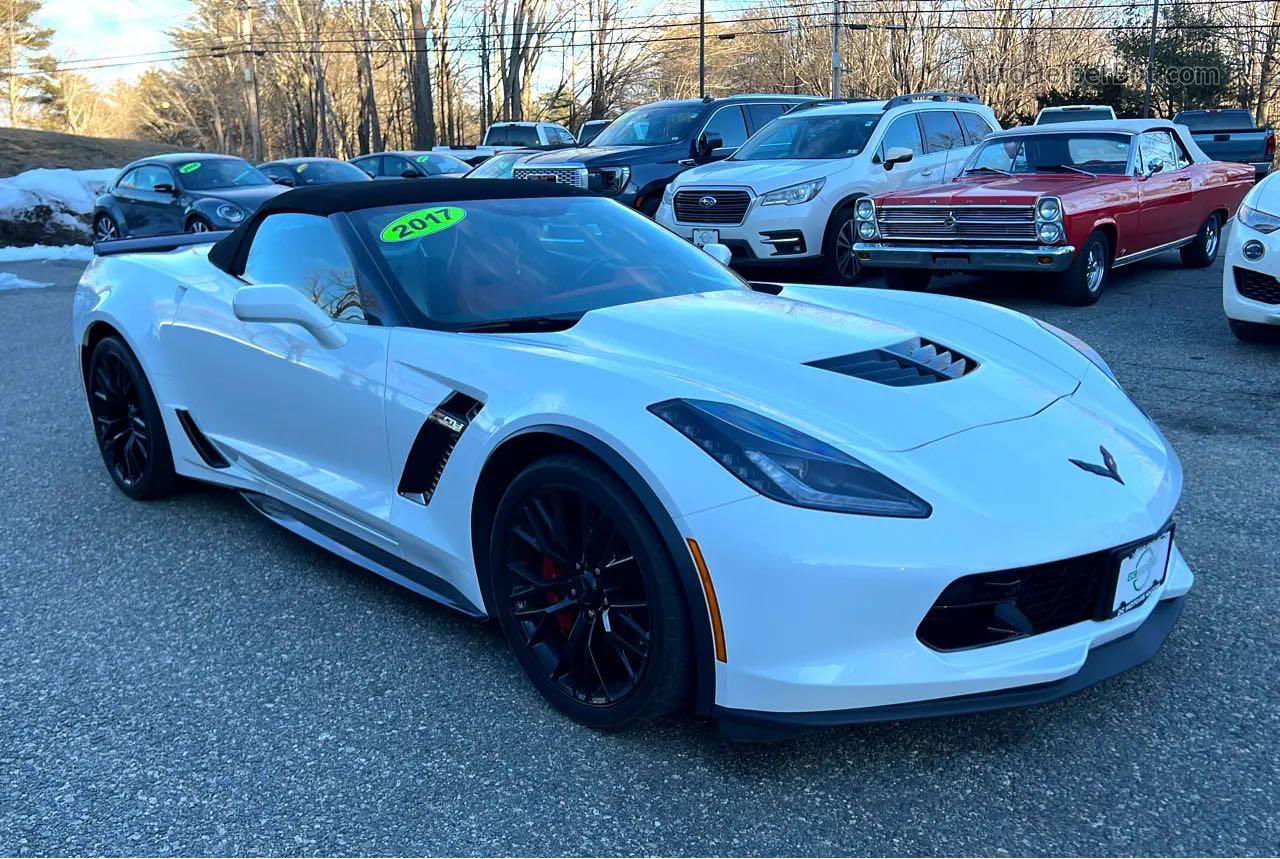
(189, 168)
(423, 222)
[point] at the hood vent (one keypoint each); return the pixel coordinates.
(912, 362)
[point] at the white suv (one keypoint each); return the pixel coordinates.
(787, 194)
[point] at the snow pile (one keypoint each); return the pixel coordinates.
(46, 252)
(9, 280)
(50, 206)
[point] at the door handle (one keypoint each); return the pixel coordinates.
(1182, 178)
(926, 172)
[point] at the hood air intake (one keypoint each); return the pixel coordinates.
(912, 362)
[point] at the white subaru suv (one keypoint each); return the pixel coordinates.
(787, 194)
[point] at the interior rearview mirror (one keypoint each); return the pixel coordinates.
(718, 252)
(897, 155)
(275, 302)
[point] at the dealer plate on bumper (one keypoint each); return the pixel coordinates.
(701, 238)
(1141, 571)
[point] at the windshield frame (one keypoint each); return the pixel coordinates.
(1129, 136)
(654, 108)
(374, 266)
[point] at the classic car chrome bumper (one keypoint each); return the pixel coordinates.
(964, 258)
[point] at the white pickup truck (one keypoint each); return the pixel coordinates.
(504, 136)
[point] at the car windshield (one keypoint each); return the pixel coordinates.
(650, 126)
(436, 164)
(1051, 116)
(203, 174)
(1052, 153)
(1218, 120)
(488, 261)
(500, 166)
(810, 137)
(324, 172)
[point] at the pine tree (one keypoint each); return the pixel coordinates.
(24, 62)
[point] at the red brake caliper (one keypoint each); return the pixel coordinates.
(563, 618)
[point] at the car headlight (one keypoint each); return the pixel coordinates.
(1049, 233)
(866, 230)
(608, 180)
(786, 465)
(794, 195)
(865, 210)
(668, 195)
(1048, 209)
(1256, 219)
(228, 212)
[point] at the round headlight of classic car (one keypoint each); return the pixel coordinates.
(1049, 233)
(866, 230)
(228, 212)
(1048, 209)
(865, 210)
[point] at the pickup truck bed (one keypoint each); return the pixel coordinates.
(1231, 135)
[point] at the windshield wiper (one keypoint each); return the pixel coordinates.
(988, 170)
(1055, 168)
(525, 323)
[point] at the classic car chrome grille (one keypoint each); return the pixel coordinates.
(560, 175)
(949, 223)
(1257, 286)
(711, 207)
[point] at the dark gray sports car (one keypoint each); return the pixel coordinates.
(190, 192)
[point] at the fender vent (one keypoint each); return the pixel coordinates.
(435, 442)
(208, 452)
(912, 362)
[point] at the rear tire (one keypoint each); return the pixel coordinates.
(199, 225)
(1204, 249)
(105, 228)
(587, 595)
(127, 423)
(1253, 332)
(840, 264)
(909, 279)
(1082, 283)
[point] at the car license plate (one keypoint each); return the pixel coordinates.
(1142, 570)
(702, 238)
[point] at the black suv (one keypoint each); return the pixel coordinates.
(635, 157)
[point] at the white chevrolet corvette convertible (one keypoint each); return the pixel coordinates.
(780, 507)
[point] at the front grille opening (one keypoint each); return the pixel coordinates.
(990, 608)
(912, 362)
(711, 207)
(974, 223)
(1257, 286)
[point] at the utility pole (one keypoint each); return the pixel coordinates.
(250, 79)
(424, 125)
(702, 48)
(835, 48)
(1151, 59)
(484, 68)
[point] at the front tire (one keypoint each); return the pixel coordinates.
(840, 263)
(587, 595)
(105, 228)
(127, 423)
(1082, 283)
(1253, 332)
(1204, 249)
(199, 225)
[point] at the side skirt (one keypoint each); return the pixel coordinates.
(362, 554)
(1150, 252)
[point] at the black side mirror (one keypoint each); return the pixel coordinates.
(411, 173)
(164, 188)
(283, 180)
(708, 142)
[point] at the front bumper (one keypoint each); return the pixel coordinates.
(1103, 662)
(964, 258)
(1235, 305)
(767, 234)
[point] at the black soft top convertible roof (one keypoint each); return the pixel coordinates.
(327, 200)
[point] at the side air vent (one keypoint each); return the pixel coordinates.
(912, 362)
(208, 452)
(434, 444)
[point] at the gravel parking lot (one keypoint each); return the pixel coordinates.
(185, 677)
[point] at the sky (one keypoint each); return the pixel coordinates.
(88, 29)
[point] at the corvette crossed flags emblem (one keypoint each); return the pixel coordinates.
(1107, 469)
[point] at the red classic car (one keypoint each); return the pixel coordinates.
(1074, 200)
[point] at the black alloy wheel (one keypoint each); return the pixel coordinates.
(198, 225)
(842, 263)
(104, 228)
(586, 595)
(127, 424)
